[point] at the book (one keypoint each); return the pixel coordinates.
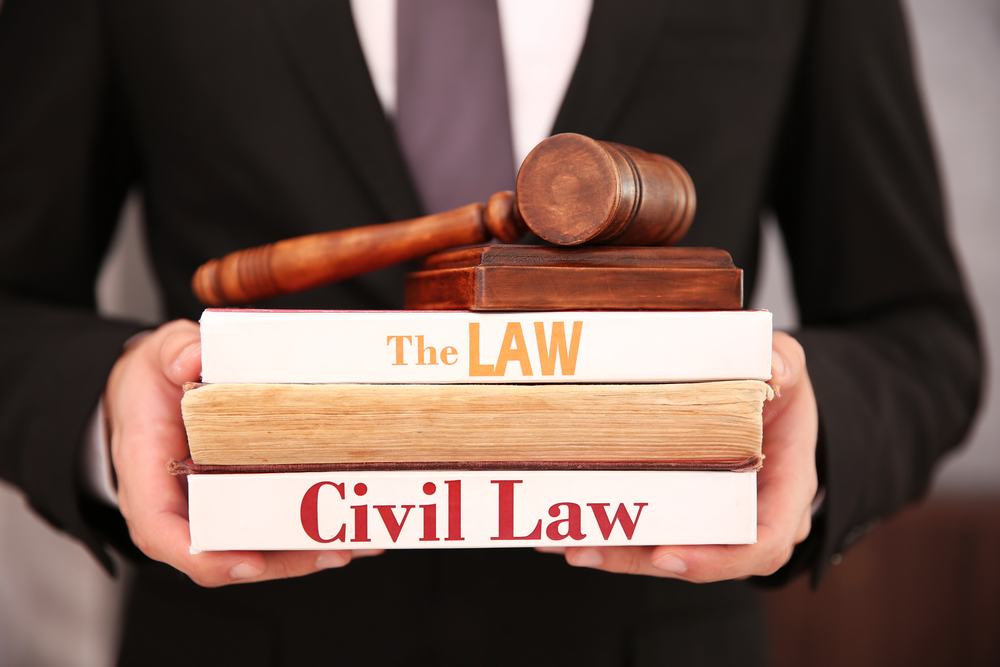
(464, 509)
(697, 424)
(437, 429)
(260, 346)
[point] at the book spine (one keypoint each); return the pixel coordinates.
(469, 509)
(246, 346)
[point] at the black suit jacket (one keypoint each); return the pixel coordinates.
(246, 121)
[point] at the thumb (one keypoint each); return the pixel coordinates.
(180, 353)
(788, 362)
(788, 368)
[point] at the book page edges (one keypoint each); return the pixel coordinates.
(189, 467)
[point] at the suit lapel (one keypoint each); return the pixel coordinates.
(323, 46)
(619, 40)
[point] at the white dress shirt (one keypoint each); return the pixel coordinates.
(542, 40)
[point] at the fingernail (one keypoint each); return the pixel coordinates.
(185, 356)
(777, 366)
(329, 559)
(670, 563)
(244, 570)
(364, 553)
(588, 558)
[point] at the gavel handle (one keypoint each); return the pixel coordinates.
(305, 262)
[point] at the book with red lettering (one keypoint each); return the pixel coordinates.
(260, 346)
(436, 509)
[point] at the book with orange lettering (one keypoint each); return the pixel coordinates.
(400, 347)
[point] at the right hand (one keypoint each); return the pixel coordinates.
(143, 405)
(786, 487)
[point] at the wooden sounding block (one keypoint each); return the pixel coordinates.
(537, 278)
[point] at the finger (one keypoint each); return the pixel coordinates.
(180, 352)
(788, 362)
(702, 563)
(623, 560)
(784, 508)
(237, 567)
(287, 564)
(165, 536)
(786, 486)
(805, 527)
(141, 449)
(730, 561)
(783, 520)
(699, 564)
(219, 568)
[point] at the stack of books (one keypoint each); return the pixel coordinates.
(433, 429)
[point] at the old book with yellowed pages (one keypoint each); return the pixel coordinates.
(688, 425)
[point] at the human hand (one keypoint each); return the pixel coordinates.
(786, 486)
(143, 406)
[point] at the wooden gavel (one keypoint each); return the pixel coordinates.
(570, 190)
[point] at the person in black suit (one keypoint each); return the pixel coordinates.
(246, 122)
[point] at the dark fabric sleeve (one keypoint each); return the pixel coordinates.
(64, 170)
(890, 341)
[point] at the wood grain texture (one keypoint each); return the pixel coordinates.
(533, 278)
(297, 264)
(571, 190)
(255, 424)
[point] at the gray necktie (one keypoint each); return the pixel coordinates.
(451, 110)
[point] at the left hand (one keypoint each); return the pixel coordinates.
(143, 403)
(786, 486)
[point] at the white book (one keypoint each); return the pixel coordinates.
(261, 346)
(467, 509)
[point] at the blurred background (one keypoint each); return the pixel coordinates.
(922, 589)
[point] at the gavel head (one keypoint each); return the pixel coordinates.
(572, 189)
